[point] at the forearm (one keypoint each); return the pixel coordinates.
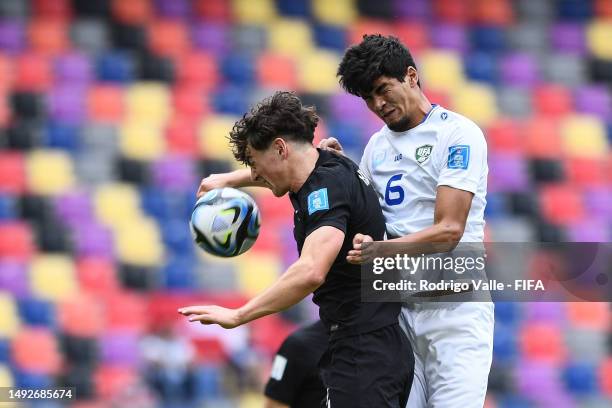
(440, 237)
(242, 178)
(293, 286)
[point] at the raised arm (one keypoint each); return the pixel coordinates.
(235, 179)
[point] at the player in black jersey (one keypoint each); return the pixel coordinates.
(294, 379)
(333, 202)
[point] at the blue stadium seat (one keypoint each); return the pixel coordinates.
(294, 8)
(507, 312)
(231, 100)
(488, 39)
(176, 235)
(178, 273)
(581, 378)
(36, 312)
(575, 10)
(481, 66)
(332, 37)
(238, 69)
(154, 203)
(504, 343)
(350, 134)
(497, 206)
(116, 67)
(63, 136)
(5, 351)
(7, 207)
(514, 401)
(32, 380)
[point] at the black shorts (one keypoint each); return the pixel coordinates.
(369, 370)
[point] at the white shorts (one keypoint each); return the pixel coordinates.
(453, 350)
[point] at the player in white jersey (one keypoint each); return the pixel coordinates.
(429, 167)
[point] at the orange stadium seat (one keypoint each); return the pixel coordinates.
(213, 10)
(105, 103)
(542, 342)
(363, 26)
(12, 173)
(561, 204)
(414, 34)
(37, 351)
(33, 72)
(48, 36)
(97, 275)
(451, 11)
(542, 138)
(494, 12)
(81, 316)
(16, 241)
(198, 69)
(552, 100)
(276, 71)
(589, 315)
(504, 134)
(181, 136)
(7, 72)
(587, 172)
(133, 11)
(168, 37)
(126, 311)
(603, 8)
(605, 370)
(190, 101)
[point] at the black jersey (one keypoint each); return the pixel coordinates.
(295, 379)
(336, 194)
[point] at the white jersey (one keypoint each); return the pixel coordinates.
(406, 168)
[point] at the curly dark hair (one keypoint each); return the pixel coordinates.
(375, 56)
(279, 115)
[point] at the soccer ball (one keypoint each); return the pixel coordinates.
(225, 222)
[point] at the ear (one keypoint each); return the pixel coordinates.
(281, 147)
(412, 77)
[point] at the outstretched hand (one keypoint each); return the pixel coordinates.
(211, 314)
(363, 249)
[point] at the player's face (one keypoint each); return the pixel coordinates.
(394, 101)
(268, 166)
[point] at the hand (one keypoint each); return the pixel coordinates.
(332, 144)
(362, 253)
(211, 182)
(224, 317)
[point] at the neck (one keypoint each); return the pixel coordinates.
(420, 111)
(304, 164)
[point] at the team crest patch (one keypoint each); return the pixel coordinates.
(317, 201)
(422, 153)
(458, 157)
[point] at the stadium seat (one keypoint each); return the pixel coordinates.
(256, 272)
(552, 100)
(49, 172)
(81, 315)
(419, 10)
(441, 70)
(16, 241)
(530, 37)
(481, 67)
(504, 344)
(367, 26)
(476, 102)
(52, 277)
(116, 66)
(198, 69)
(7, 208)
(595, 100)
(126, 312)
(36, 312)
(414, 34)
(564, 68)
(597, 202)
(119, 349)
(74, 68)
(547, 312)
(178, 274)
(212, 137)
(587, 172)
(451, 11)
(48, 36)
(66, 103)
(168, 37)
(508, 172)
(254, 11)
(105, 103)
(330, 37)
(290, 37)
(6, 377)
(132, 12)
(514, 101)
(13, 38)
(250, 39)
(583, 136)
(112, 381)
(174, 173)
(588, 315)
(580, 378)
(519, 69)
(138, 242)
(542, 342)
(36, 351)
(316, 72)
(504, 135)
(276, 71)
(561, 205)
(96, 275)
(488, 39)
(568, 37)
(9, 316)
(605, 376)
(141, 139)
(542, 138)
(593, 230)
(340, 13)
(60, 9)
(32, 72)
(598, 33)
(116, 203)
(148, 102)
(238, 69)
(191, 102)
(213, 10)
(12, 173)
(90, 35)
(181, 136)
(212, 37)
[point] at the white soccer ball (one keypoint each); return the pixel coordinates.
(225, 222)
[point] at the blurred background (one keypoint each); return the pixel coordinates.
(112, 111)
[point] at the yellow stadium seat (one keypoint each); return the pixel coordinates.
(6, 377)
(290, 37)
(9, 318)
(317, 72)
(251, 400)
(139, 242)
(336, 12)
(117, 204)
(212, 137)
(599, 35)
(149, 102)
(142, 140)
(254, 11)
(52, 277)
(477, 102)
(441, 70)
(584, 136)
(256, 272)
(49, 172)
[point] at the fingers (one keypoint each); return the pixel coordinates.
(190, 310)
(358, 239)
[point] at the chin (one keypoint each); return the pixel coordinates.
(400, 125)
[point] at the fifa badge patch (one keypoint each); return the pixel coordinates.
(422, 153)
(458, 157)
(278, 367)
(317, 201)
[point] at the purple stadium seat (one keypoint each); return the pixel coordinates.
(93, 239)
(450, 36)
(174, 173)
(568, 37)
(507, 173)
(592, 230)
(213, 37)
(537, 379)
(519, 69)
(598, 203)
(66, 103)
(595, 100)
(12, 36)
(545, 311)
(120, 349)
(14, 278)
(173, 8)
(74, 207)
(415, 10)
(347, 107)
(73, 68)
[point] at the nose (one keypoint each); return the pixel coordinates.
(379, 104)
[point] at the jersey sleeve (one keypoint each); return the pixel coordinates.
(328, 203)
(290, 369)
(463, 160)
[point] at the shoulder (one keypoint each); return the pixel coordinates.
(456, 125)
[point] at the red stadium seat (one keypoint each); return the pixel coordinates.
(105, 103)
(589, 315)
(97, 275)
(182, 137)
(587, 172)
(552, 100)
(57, 9)
(438, 97)
(542, 342)
(268, 240)
(16, 241)
(48, 36)
(213, 10)
(269, 332)
(209, 350)
(7, 74)
(12, 173)
(36, 351)
(542, 139)
(82, 316)
(561, 205)
(362, 26)
(132, 12)
(33, 72)
(504, 135)
(168, 37)
(414, 35)
(603, 8)
(191, 101)
(493, 12)
(451, 11)
(198, 69)
(276, 71)
(605, 374)
(111, 381)
(126, 311)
